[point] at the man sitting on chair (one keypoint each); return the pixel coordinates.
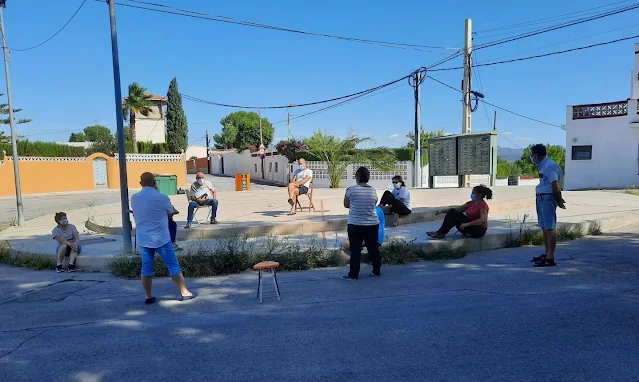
(202, 194)
(300, 184)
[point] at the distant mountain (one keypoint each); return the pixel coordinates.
(509, 154)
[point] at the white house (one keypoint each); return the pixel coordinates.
(602, 142)
(151, 127)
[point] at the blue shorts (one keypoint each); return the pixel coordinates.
(166, 252)
(57, 249)
(547, 211)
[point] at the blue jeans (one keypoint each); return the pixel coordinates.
(168, 256)
(193, 205)
(547, 212)
(172, 230)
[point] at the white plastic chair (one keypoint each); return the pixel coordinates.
(209, 208)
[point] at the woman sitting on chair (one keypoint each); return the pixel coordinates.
(471, 219)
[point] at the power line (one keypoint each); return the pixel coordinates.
(547, 19)
(481, 89)
(229, 20)
(541, 55)
(495, 106)
(56, 33)
(557, 27)
(363, 92)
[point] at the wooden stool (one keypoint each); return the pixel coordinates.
(271, 266)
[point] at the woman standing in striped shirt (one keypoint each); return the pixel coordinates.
(363, 223)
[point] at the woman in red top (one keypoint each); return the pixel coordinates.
(471, 219)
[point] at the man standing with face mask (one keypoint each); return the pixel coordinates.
(202, 194)
(548, 198)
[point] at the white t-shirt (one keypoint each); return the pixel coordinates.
(150, 211)
(363, 203)
(199, 191)
(301, 174)
(66, 234)
(402, 193)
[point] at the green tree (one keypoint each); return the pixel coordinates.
(96, 132)
(138, 101)
(423, 137)
(4, 110)
(177, 130)
(105, 145)
(337, 154)
(77, 137)
(4, 138)
(241, 129)
(127, 133)
(555, 152)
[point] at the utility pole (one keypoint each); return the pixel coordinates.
(124, 186)
(415, 80)
(289, 119)
(12, 122)
(262, 148)
(464, 180)
(208, 159)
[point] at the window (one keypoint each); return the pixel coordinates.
(256, 167)
(270, 167)
(582, 152)
(276, 166)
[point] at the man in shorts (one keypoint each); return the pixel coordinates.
(152, 231)
(548, 198)
(300, 184)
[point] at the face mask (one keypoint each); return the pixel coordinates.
(64, 221)
(200, 181)
(473, 197)
(532, 160)
(397, 185)
(301, 167)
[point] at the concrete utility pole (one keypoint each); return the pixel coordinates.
(124, 186)
(12, 122)
(289, 120)
(464, 180)
(495, 121)
(415, 80)
(208, 159)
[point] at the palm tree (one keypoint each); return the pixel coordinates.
(138, 101)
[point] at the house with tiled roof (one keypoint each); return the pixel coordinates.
(151, 127)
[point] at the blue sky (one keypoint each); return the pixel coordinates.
(67, 84)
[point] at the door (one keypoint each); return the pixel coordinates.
(100, 172)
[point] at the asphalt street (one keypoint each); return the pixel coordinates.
(487, 317)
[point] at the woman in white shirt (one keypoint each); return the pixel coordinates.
(397, 202)
(363, 223)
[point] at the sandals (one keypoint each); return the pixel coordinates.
(538, 258)
(291, 213)
(545, 263)
(435, 235)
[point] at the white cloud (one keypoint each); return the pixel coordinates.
(507, 133)
(393, 137)
(523, 138)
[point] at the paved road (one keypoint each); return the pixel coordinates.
(39, 205)
(488, 317)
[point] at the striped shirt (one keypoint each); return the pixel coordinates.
(363, 200)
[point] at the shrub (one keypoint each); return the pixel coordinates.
(25, 260)
(44, 149)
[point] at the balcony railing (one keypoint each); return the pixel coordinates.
(600, 110)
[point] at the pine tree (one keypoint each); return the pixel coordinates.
(177, 130)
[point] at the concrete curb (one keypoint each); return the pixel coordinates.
(421, 214)
(488, 242)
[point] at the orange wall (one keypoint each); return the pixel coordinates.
(42, 176)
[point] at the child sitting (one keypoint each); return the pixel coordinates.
(68, 240)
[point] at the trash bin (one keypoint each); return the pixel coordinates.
(242, 182)
(167, 184)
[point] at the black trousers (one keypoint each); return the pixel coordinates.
(455, 218)
(397, 207)
(368, 235)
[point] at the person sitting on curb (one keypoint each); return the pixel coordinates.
(300, 184)
(151, 210)
(380, 233)
(471, 219)
(202, 194)
(397, 202)
(68, 239)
